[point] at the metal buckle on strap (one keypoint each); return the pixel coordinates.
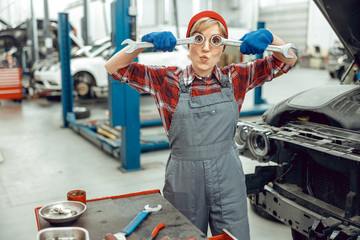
(225, 83)
(183, 87)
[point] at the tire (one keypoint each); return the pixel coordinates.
(53, 97)
(83, 82)
(81, 112)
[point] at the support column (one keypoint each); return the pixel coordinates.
(258, 90)
(66, 78)
(124, 102)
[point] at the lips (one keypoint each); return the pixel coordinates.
(204, 58)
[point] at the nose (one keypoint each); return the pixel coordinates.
(206, 46)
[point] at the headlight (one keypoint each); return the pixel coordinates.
(259, 143)
(241, 136)
(255, 138)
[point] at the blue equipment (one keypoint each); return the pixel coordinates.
(123, 101)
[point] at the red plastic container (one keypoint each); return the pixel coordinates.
(77, 195)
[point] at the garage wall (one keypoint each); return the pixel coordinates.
(238, 13)
(320, 32)
(288, 20)
(299, 22)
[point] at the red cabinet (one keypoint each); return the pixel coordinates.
(10, 83)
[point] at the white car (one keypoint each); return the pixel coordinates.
(89, 74)
(87, 68)
(179, 57)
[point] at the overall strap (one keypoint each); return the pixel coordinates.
(225, 83)
(182, 86)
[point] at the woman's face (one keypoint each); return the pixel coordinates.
(205, 56)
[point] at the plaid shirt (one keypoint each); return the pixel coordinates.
(163, 82)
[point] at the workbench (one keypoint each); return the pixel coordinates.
(112, 214)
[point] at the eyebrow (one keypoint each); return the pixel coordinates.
(211, 35)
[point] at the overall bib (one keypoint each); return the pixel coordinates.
(204, 178)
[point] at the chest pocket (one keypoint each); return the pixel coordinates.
(209, 119)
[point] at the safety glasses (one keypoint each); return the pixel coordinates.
(216, 40)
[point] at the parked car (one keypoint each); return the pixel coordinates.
(17, 37)
(341, 73)
(312, 144)
(334, 60)
(21, 33)
(87, 69)
(89, 74)
(179, 57)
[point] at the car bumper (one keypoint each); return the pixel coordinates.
(46, 82)
(44, 86)
(100, 91)
(302, 219)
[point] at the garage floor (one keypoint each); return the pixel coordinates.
(40, 161)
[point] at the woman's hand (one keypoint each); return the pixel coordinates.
(164, 41)
(256, 42)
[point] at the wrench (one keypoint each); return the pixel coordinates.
(136, 45)
(284, 49)
(133, 224)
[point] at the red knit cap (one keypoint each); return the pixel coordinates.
(210, 14)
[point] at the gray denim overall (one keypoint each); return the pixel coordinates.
(204, 178)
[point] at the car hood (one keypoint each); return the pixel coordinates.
(5, 23)
(344, 18)
(335, 105)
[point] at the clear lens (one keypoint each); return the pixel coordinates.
(199, 39)
(216, 40)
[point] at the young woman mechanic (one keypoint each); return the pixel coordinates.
(199, 107)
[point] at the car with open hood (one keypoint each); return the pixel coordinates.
(312, 144)
(17, 38)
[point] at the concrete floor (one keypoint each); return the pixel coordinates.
(40, 161)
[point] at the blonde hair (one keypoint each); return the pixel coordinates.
(206, 22)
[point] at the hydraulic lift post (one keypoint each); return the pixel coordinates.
(67, 86)
(69, 119)
(124, 102)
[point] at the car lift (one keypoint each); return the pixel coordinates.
(124, 102)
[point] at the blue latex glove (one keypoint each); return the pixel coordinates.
(256, 42)
(164, 41)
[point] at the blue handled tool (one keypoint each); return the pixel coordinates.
(133, 224)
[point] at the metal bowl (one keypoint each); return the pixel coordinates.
(70, 233)
(62, 212)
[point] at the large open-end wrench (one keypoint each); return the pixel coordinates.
(136, 45)
(215, 40)
(284, 49)
(133, 224)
